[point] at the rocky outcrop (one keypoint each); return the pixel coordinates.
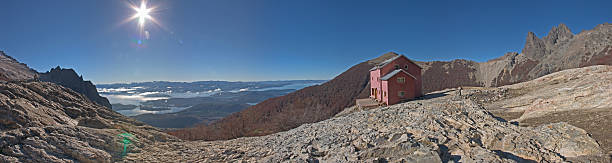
(534, 47)
(11, 70)
(582, 88)
(580, 97)
(558, 35)
(45, 122)
(69, 78)
(433, 130)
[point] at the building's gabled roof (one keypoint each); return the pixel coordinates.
(384, 63)
(394, 72)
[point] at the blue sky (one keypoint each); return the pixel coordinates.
(251, 40)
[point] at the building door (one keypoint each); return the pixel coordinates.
(376, 93)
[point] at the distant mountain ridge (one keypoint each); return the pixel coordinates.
(559, 50)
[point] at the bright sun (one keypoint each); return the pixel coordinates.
(142, 13)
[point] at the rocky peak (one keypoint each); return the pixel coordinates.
(66, 74)
(534, 47)
(558, 34)
(4, 57)
(12, 70)
(69, 78)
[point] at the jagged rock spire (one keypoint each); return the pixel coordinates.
(558, 34)
(534, 47)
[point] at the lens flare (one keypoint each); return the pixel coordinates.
(142, 13)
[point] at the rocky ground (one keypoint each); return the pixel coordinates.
(45, 122)
(440, 129)
(580, 97)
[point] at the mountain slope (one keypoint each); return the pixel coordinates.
(68, 78)
(46, 122)
(307, 105)
(580, 97)
(11, 70)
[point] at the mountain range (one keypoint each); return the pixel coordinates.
(559, 50)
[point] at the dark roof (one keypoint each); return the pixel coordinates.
(384, 63)
(394, 72)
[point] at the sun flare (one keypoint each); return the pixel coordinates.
(142, 13)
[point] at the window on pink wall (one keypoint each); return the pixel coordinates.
(401, 80)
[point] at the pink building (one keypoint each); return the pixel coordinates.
(395, 80)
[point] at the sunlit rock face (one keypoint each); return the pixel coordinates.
(45, 122)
